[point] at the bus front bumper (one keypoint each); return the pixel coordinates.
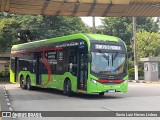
(99, 87)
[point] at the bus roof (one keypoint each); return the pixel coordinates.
(86, 37)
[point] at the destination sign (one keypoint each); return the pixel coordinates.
(67, 44)
(107, 47)
(51, 55)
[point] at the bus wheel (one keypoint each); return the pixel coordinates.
(28, 83)
(22, 84)
(101, 93)
(67, 88)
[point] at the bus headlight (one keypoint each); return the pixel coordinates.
(93, 81)
(126, 81)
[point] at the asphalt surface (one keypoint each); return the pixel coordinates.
(140, 97)
(4, 106)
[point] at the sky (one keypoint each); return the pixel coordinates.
(88, 20)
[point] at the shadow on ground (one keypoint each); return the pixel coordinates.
(76, 95)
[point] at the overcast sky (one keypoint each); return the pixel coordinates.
(88, 21)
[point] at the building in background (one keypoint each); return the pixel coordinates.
(4, 60)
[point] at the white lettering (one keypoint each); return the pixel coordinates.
(107, 47)
(120, 115)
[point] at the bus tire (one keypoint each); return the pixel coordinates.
(65, 87)
(101, 94)
(28, 83)
(22, 83)
(67, 90)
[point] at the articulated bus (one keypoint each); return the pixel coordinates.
(80, 63)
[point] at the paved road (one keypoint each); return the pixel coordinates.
(140, 97)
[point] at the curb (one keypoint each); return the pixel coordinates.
(155, 82)
(7, 114)
(143, 81)
(137, 81)
(7, 99)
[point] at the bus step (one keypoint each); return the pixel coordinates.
(82, 91)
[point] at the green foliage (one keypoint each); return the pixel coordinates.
(131, 73)
(140, 72)
(122, 27)
(141, 78)
(44, 27)
(148, 44)
(16, 29)
(4, 74)
(60, 26)
(6, 36)
(147, 23)
(130, 64)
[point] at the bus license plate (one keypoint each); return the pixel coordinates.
(111, 91)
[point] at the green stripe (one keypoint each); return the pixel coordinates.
(69, 37)
(103, 37)
(52, 40)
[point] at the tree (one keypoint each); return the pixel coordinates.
(60, 26)
(7, 36)
(148, 44)
(122, 27)
(147, 23)
(16, 29)
(44, 27)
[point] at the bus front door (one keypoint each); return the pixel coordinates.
(38, 68)
(82, 74)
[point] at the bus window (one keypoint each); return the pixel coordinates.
(72, 63)
(60, 62)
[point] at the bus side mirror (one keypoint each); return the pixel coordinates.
(89, 57)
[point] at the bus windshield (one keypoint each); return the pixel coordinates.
(108, 62)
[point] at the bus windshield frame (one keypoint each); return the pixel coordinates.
(106, 62)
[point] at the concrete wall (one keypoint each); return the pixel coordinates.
(151, 71)
(147, 76)
(3, 64)
(1, 67)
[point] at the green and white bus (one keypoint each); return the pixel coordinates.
(85, 63)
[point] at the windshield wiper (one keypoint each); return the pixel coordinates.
(105, 56)
(115, 55)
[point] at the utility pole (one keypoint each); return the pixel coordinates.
(135, 49)
(94, 25)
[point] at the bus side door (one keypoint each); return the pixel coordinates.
(82, 70)
(38, 57)
(16, 69)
